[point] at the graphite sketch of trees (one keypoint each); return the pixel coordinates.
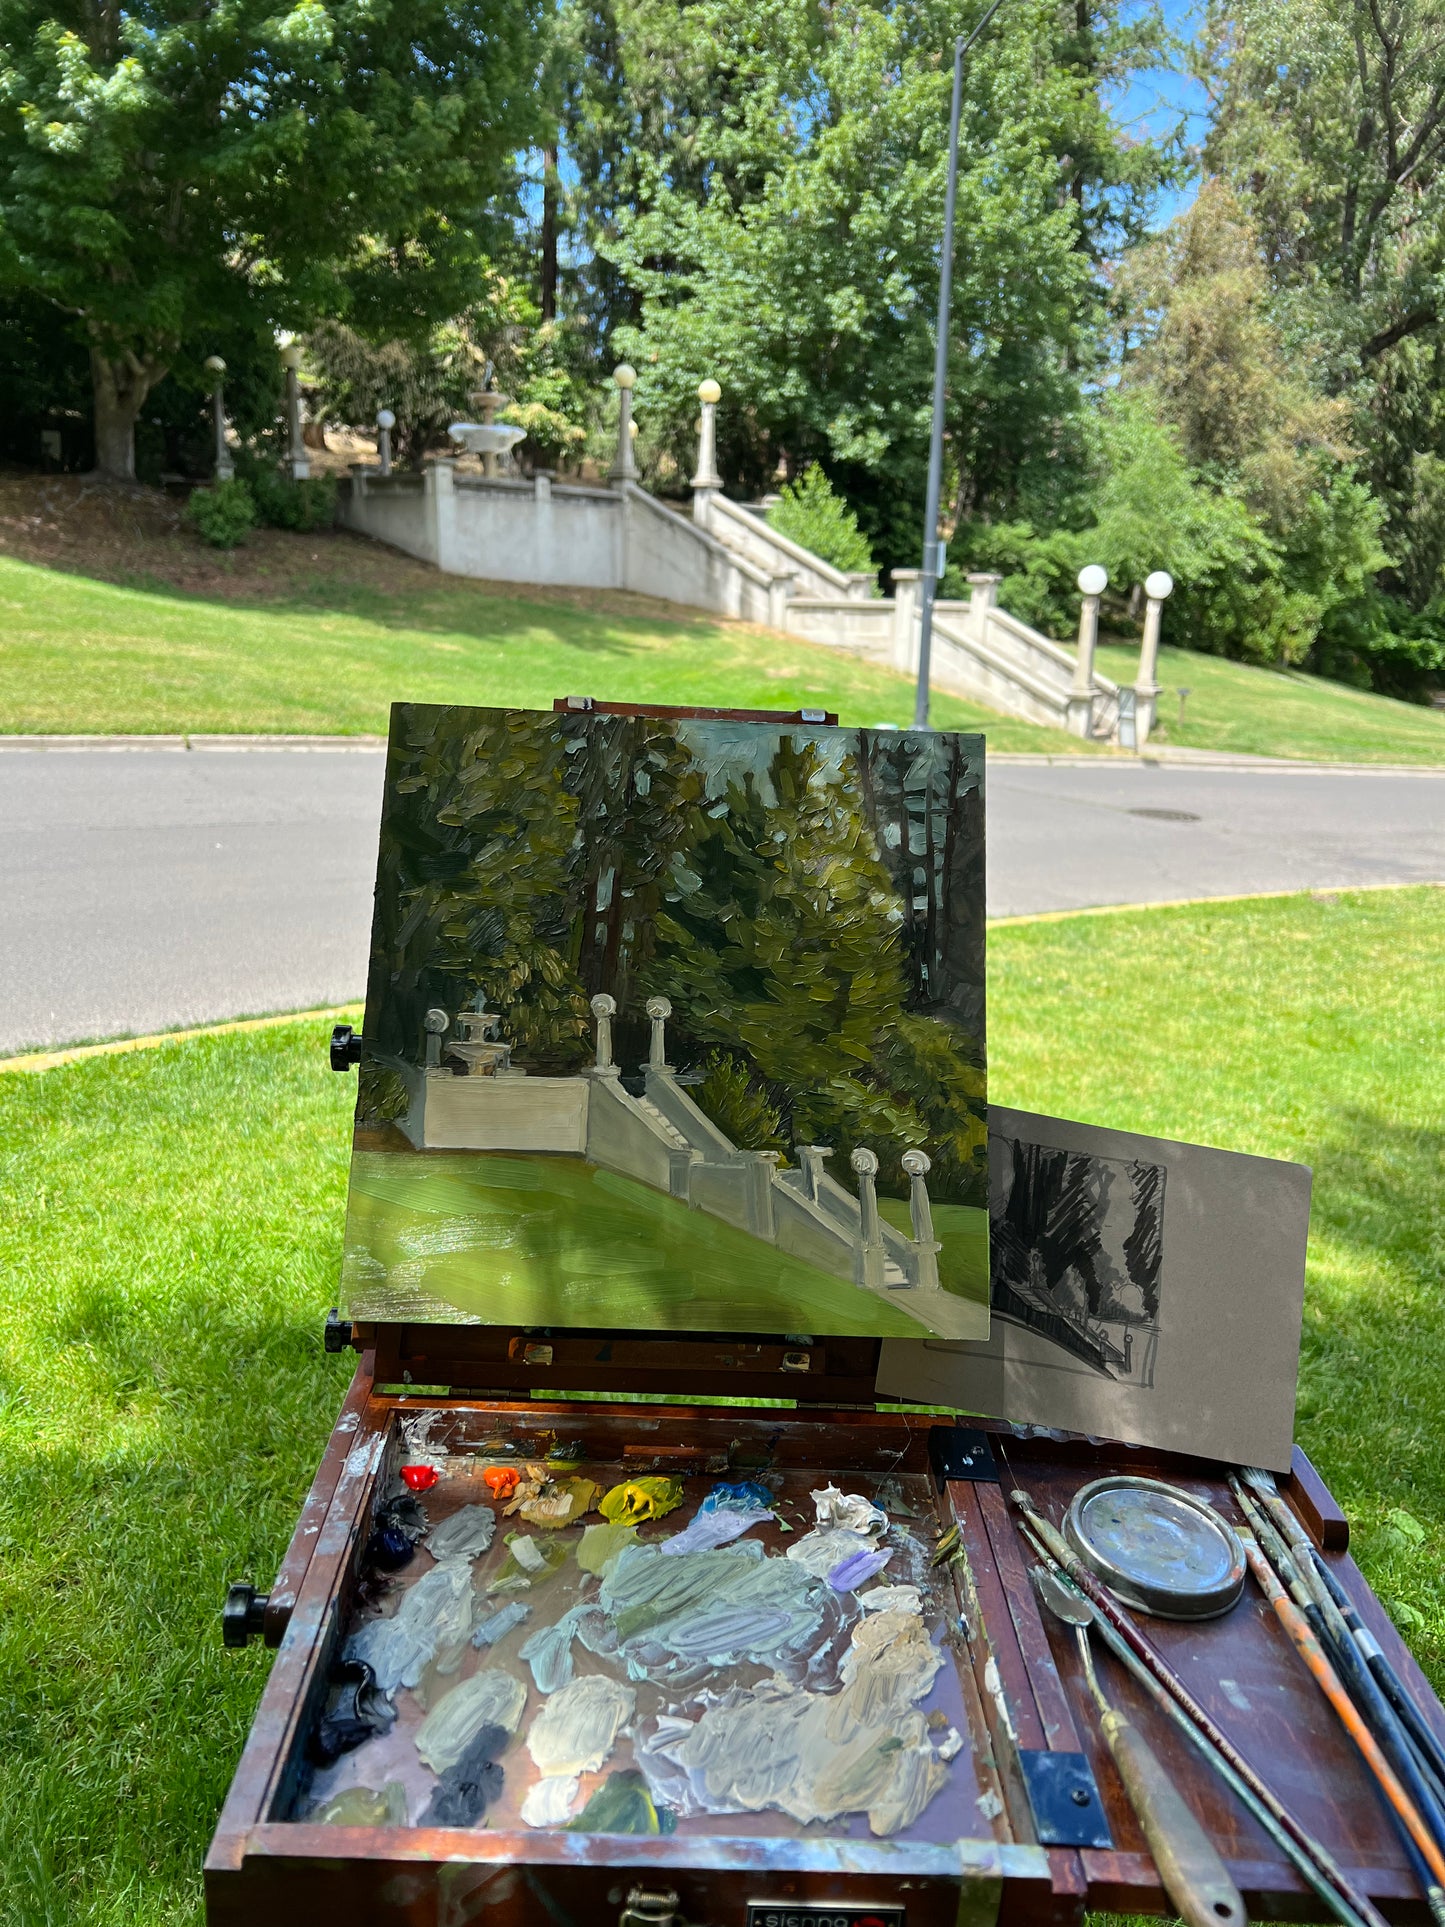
(1076, 1252)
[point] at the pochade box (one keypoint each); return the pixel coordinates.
(649, 1574)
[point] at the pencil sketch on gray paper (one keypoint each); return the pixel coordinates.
(1076, 1251)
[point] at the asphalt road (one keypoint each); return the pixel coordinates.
(149, 888)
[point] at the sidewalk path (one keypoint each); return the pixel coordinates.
(145, 888)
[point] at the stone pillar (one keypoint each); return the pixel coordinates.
(1158, 587)
(225, 467)
(439, 483)
(437, 1024)
(868, 1254)
(811, 1158)
(905, 619)
(861, 584)
(658, 1011)
(760, 1167)
(925, 1246)
(780, 591)
(385, 422)
(297, 459)
(604, 1009)
(542, 484)
(709, 394)
(624, 467)
(982, 596)
(1092, 583)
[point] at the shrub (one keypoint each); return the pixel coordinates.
(811, 515)
(223, 515)
(282, 503)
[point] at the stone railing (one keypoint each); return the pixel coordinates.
(478, 1099)
(728, 560)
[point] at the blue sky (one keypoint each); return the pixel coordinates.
(1153, 103)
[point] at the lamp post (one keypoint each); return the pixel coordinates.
(298, 460)
(1158, 587)
(225, 467)
(624, 468)
(707, 477)
(385, 422)
(1092, 583)
(932, 557)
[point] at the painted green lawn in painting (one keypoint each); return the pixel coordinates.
(554, 1240)
(172, 1239)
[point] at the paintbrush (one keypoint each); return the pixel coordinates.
(1193, 1875)
(1302, 1636)
(1314, 1862)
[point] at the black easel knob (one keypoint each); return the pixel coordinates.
(337, 1335)
(243, 1617)
(345, 1048)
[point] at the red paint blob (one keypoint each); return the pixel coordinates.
(421, 1478)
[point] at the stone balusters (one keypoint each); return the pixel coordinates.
(658, 1012)
(604, 1009)
(926, 1247)
(811, 1158)
(868, 1256)
(436, 1023)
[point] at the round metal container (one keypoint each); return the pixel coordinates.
(1160, 1549)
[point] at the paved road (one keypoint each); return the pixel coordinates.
(145, 888)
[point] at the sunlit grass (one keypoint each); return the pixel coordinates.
(1234, 706)
(79, 655)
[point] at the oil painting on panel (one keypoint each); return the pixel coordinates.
(1142, 1290)
(674, 1025)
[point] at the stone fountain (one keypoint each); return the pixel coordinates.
(492, 440)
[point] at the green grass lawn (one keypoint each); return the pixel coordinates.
(173, 1224)
(79, 656)
(1269, 712)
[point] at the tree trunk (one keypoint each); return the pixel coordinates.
(549, 234)
(121, 385)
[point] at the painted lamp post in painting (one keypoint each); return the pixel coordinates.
(225, 467)
(1158, 588)
(624, 468)
(1092, 583)
(658, 1012)
(870, 1233)
(604, 1009)
(297, 459)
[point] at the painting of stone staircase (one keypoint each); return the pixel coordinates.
(660, 1137)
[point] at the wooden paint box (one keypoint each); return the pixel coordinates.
(1012, 1682)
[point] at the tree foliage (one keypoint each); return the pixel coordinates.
(171, 172)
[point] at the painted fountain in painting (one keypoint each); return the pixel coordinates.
(674, 1025)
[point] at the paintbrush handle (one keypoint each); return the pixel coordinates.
(1194, 1877)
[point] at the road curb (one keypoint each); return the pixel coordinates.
(49, 1060)
(321, 744)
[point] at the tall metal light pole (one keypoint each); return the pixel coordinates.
(931, 569)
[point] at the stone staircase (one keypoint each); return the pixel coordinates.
(979, 650)
(663, 1139)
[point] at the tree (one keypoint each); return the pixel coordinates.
(1329, 122)
(763, 192)
(168, 173)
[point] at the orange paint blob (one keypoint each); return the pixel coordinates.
(501, 1480)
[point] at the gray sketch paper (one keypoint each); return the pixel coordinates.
(1141, 1289)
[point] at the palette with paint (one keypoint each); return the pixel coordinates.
(643, 1578)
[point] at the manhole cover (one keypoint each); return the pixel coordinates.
(1168, 816)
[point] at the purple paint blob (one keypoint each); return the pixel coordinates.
(850, 1573)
